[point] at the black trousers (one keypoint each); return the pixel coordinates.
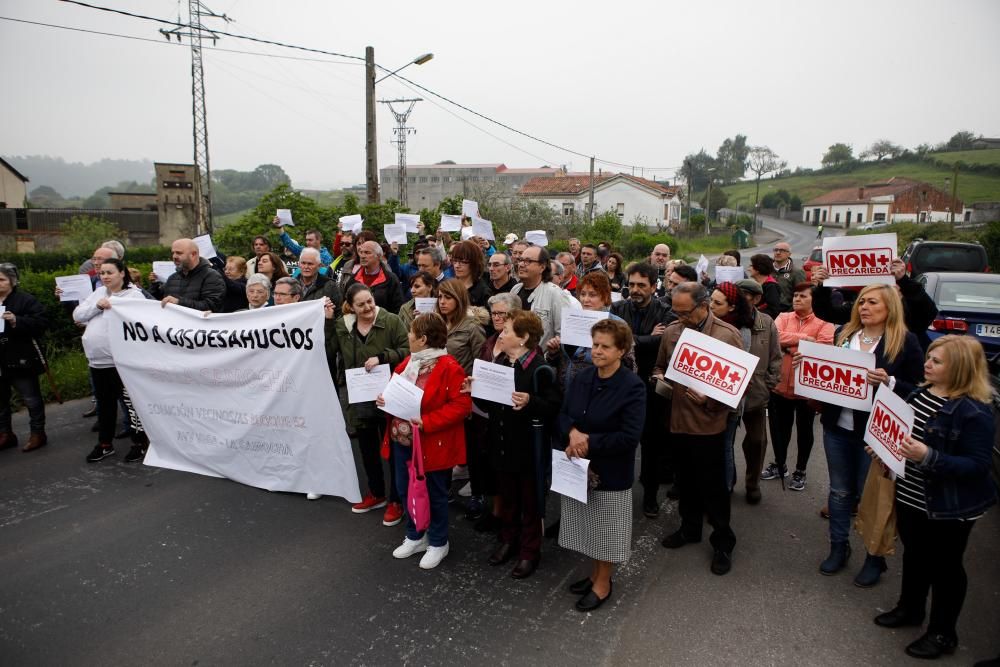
(932, 562)
(656, 457)
(370, 434)
(701, 478)
(782, 414)
(107, 390)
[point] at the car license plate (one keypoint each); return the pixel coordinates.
(991, 330)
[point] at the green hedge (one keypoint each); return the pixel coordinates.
(53, 261)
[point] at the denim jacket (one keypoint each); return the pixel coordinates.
(956, 469)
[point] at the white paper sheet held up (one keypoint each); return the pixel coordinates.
(575, 326)
(470, 209)
(450, 223)
(537, 236)
(205, 247)
(285, 217)
(729, 274)
(402, 398)
(467, 233)
(569, 476)
(3, 322)
(702, 266)
(410, 221)
(483, 229)
(425, 304)
(616, 297)
(164, 270)
(395, 233)
(492, 382)
(364, 386)
(351, 223)
(76, 287)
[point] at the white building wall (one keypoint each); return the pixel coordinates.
(638, 203)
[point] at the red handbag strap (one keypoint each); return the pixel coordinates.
(418, 452)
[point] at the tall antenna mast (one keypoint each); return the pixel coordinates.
(401, 130)
(196, 30)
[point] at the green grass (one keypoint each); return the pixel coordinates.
(221, 221)
(986, 156)
(72, 376)
(971, 187)
(688, 248)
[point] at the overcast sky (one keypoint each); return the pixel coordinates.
(642, 83)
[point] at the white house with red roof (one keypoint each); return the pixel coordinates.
(636, 201)
(428, 184)
(895, 200)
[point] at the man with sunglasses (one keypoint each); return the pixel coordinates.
(786, 273)
(648, 318)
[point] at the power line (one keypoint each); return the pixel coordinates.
(413, 83)
(175, 44)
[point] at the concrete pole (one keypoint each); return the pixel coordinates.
(590, 214)
(371, 148)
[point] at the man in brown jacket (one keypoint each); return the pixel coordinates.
(698, 428)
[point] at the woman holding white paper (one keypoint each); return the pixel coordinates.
(443, 411)
(946, 488)
(365, 337)
(594, 292)
(601, 419)
(422, 286)
(511, 452)
(108, 388)
(876, 326)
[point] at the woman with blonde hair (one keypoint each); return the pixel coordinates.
(945, 489)
(876, 326)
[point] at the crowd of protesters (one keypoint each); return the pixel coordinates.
(432, 314)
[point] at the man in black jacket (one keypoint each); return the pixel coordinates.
(314, 284)
(648, 318)
(195, 284)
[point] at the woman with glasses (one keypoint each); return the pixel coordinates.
(467, 262)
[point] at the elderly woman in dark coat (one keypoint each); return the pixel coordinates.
(21, 359)
(601, 420)
(512, 453)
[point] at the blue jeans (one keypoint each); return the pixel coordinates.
(848, 466)
(27, 386)
(438, 483)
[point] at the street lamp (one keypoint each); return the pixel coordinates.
(371, 153)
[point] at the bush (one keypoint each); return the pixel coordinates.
(57, 261)
(84, 233)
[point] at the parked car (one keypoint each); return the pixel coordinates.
(968, 303)
(874, 225)
(815, 258)
(922, 256)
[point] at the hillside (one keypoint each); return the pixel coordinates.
(972, 187)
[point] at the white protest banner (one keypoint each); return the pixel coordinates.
(243, 395)
(890, 421)
(76, 287)
(569, 475)
(205, 247)
(483, 229)
(395, 233)
(285, 217)
(402, 398)
(470, 209)
(856, 261)
(702, 266)
(729, 274)
(450, 223)
(410, 221)
(537, 236)
(351, 223)
(835, 375)
(574, 329)
(425, 304)
(467, 233)
(711, 367)
(164, 270)
(364, 386)
(493, 382)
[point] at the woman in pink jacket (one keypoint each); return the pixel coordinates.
(785, 408)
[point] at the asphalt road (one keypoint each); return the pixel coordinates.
(112, 563)
(801, 237)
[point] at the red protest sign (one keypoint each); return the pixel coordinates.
(718, 370)
(859, 260)
(890, 421)
(835, 375)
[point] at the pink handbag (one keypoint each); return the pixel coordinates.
(418, 503)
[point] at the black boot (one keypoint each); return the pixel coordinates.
(835, 562)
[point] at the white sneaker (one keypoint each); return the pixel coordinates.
(466, 491)
(410, 547)
(313, 496)
(433, 557)
(459, 473)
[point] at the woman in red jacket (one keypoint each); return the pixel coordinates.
(443, 410)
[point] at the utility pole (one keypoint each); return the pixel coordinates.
(590, 205)
(401, 130)
(708, 207)
(371, 148)
(687, 163)
(954, 193)
(196, 30)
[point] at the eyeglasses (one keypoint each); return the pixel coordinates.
(525, 260)
(282, 294)
(463, 262)
(782, 250)
(499, 314)
(684, 314)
